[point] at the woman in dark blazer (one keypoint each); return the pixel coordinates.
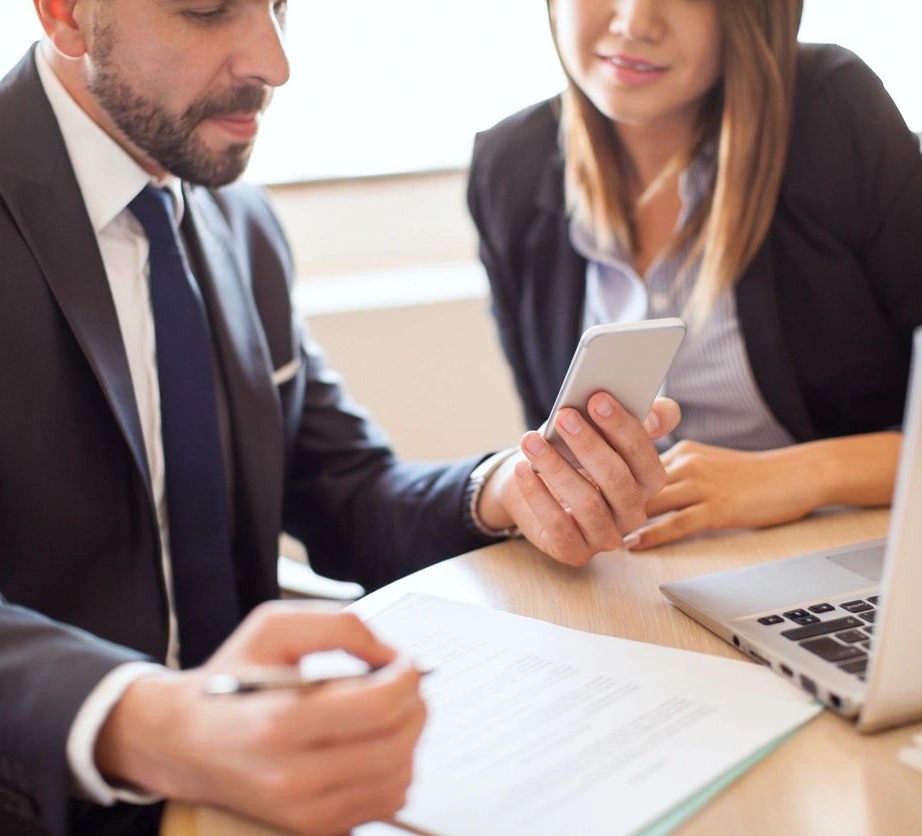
(703, 163)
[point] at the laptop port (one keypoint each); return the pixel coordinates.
(761, 660)
(808, 684)
(787, 671)
(834, 701)
(736, 641)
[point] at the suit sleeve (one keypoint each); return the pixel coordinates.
(866, 186)
(47, 670)
(362, 514)
(891, 194)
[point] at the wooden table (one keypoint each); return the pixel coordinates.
(827, 779)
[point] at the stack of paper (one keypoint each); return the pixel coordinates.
(538, 729)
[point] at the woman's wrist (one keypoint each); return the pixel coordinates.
(801, 472)
(852, 470)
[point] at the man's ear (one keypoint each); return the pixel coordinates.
(62, 24)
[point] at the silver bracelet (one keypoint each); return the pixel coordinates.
(474, 490)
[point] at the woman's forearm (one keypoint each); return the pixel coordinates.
(852, 470)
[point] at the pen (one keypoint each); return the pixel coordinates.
(221, 684)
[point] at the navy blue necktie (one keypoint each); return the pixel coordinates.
(207, 609)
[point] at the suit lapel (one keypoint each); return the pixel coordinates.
(764, 336)
(555, 296)
(38, 186)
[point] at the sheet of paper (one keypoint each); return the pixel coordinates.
(538, 729)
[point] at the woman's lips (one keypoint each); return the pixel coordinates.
(633, 71)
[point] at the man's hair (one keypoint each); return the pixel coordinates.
(745, 119)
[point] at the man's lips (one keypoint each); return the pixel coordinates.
(242, 126)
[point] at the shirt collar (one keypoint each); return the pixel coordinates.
(108, 177)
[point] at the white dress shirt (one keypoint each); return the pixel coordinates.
(109, 180)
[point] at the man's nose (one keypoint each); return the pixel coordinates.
(261, 51)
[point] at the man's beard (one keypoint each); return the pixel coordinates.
(167, 139)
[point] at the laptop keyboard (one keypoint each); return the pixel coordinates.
(843, 638)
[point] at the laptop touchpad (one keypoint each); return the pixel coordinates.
(869, 562)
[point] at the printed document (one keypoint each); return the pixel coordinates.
(539, 729)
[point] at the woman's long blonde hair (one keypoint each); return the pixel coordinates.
(747, 120)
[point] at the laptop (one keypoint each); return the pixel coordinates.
(844, 624)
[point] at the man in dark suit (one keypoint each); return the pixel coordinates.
(163, 418)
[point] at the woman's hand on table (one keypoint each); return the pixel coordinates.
(710, 488)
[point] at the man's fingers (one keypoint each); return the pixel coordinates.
(344, 747)
(629, 439)
(678, 524)
(377, 759)
(324, 769)
(281, 632)
(602, 505)
(625, 498)
(343, 809)
(357, 708)
(564, 480)
(663, 418)
(553, 530)
(527, 482)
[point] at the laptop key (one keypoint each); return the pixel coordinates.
(869, 629)
(821, 608)
(851, 636)
(831, 650)
(768, 620)
(821, 628)
(855, 665)
(869, 616)
(874, 599)
(856, 606)
(801, 617)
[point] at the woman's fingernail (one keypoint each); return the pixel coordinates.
(570, 422)
(604, 406)
(652, 424)
(534, 444)
(630, 541)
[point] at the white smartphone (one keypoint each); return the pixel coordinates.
(628, 360)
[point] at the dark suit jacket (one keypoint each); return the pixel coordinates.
(828, 305)
(79, 541)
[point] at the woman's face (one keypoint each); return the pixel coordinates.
(641, 62)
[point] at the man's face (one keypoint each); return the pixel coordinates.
(186, 81)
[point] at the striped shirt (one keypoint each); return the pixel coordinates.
(710, 378)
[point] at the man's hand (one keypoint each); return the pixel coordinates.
(314, 762)
(573, 514)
